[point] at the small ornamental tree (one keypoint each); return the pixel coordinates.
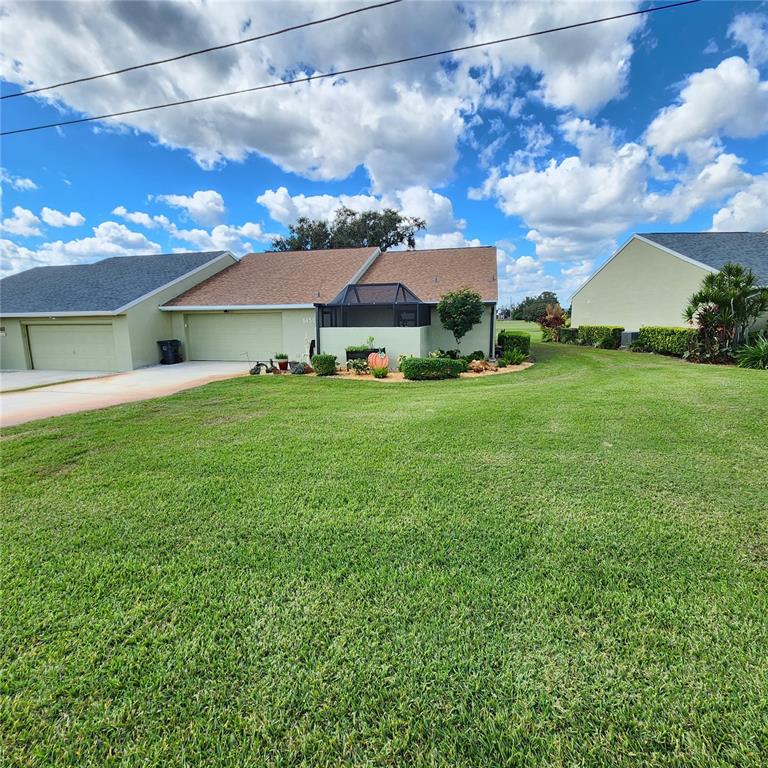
(459, 311)
(724, 307)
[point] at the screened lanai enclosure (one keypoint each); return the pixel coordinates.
(374, 305)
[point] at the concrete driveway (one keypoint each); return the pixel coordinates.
(101, 391)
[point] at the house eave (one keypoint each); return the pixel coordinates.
(233, 307)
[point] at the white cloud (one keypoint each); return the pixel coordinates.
(141, 218)
(729, 100)
(23, 223)
(55, 218)
(109, 239)
(402, 124)
(206, 206)
(447, 240)
(746, 211)
(712, 183)
(19, 183)
(223, 237)
(434, 208)
(751, 30)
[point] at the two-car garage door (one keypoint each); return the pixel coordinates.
(72, 347)
(234, 335)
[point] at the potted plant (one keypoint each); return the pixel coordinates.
(282, 361)
(361, 351)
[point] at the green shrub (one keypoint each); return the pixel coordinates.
(324, 365)
(513, 357)
(281, 356)
(429, 368)
(380, 372)
(568, 335)
(754, 354)
(679, 342)
(478, 354)
(600, 336)
(358, 366)
(454, 354)
(501, 363)
(509, 340)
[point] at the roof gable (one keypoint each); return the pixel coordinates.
(714, 249)
(277, 278)
(432, 273)
(103, 286)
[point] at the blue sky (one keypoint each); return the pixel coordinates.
(554, 149)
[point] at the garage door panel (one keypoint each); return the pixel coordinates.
(72, 347)
(235, 336)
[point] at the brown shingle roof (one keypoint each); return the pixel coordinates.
(282, 277)
(432, 273)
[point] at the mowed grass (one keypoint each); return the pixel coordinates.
(566, 566)
(532, 329)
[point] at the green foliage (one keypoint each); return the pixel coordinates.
(352, 229)
(459, 311)
(600, 336)
(357, 348)
(380, 372)
(568, 335)
(678, 342)
(281, 356)
(513, 357)
(324, 365)
(358, 366)
(298, 369)
(509, 340)
(754, 354)
(478, 354)
(430, 368)
(724, 307)
(531, 308)
(454, 354)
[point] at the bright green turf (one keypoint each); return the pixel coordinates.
(520, 325)
(566, 566)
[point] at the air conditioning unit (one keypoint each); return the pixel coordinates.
(627, 337)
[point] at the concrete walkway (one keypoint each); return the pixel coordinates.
(10, 381)
(92, 393)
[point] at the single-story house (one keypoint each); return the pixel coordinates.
(305, 302)
(110, 315)
(649, 280)
(103, 316)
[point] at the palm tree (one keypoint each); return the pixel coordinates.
(725, 306)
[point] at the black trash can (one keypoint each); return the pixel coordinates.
(170, 351)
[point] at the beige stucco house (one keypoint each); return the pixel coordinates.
(103, 316)
(649, 280)
(306, 302)
(109, 316)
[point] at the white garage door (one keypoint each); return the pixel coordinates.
(72, 347)
(235, 335)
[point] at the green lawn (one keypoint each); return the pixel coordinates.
(520, 325)
(566, 566)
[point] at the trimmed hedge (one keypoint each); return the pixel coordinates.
(430, 368)
(509, 340)
(324, 365)
(600, 336)
(568, 335)
(678, 342)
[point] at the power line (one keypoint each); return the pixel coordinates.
(362, 68)
(202, 50)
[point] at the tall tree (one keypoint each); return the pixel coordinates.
(531, 308)
(352, 229)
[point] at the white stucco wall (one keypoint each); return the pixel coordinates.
(397, 341)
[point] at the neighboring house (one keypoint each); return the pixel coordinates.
(111, 314)
(300, 302)
(100, 317)
(649, 280)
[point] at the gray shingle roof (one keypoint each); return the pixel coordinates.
(103, 286)
(750, 249)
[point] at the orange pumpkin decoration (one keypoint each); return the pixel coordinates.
(378, 360)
